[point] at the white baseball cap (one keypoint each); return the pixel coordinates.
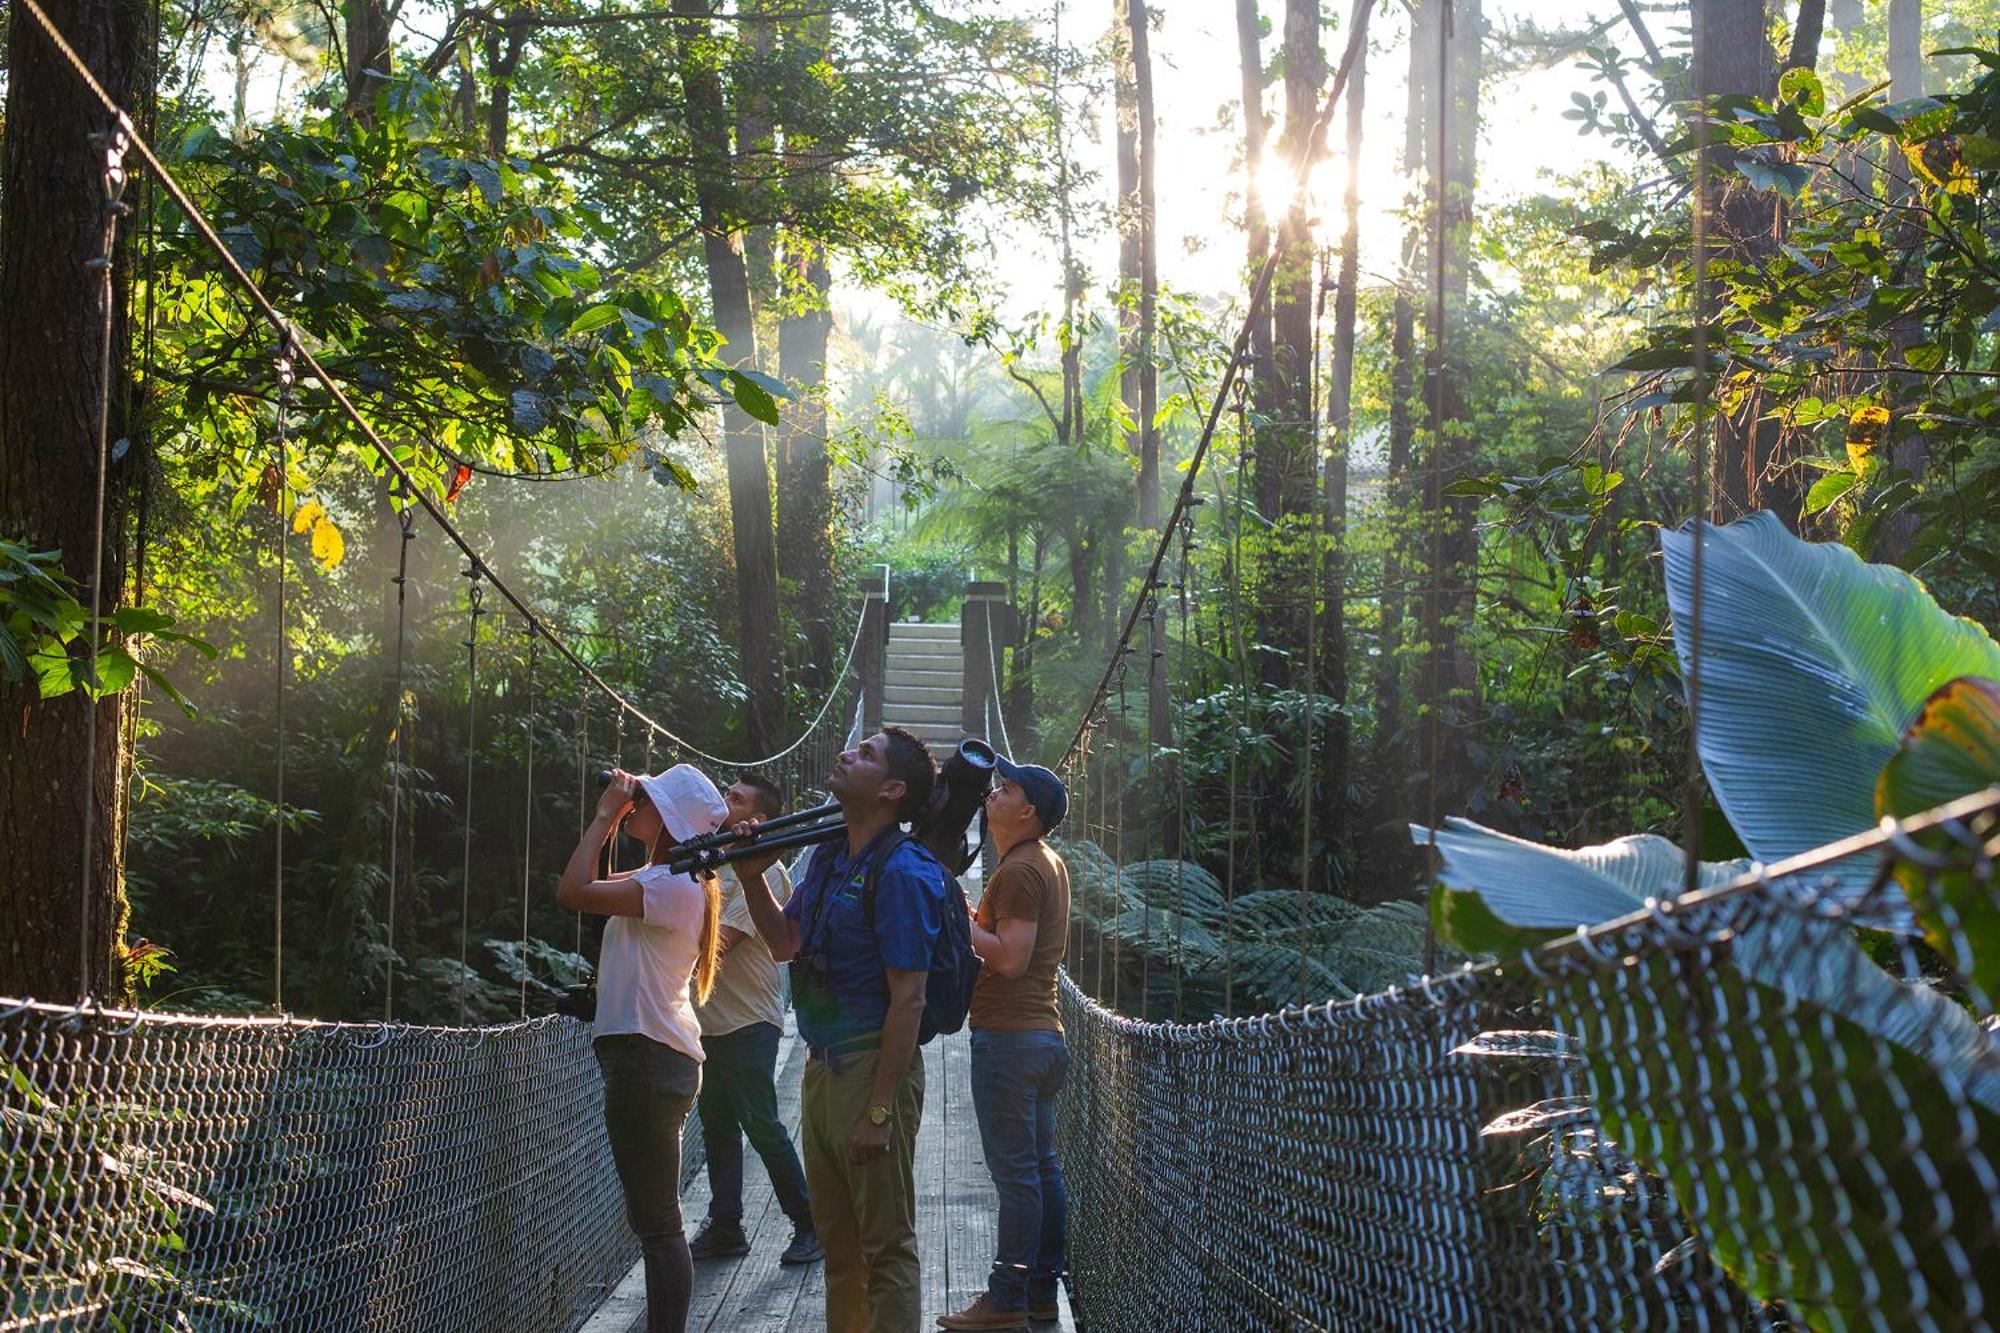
(688, 802)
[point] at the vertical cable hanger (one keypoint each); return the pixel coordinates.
(406, 520)
(1147, 785)
(113, 143)
(1697, 467)
(582, 781)
(283, 372)
(1118, 832)
(527, 803)
(474, 596)
(1184, 850)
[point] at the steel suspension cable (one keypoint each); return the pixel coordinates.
(527, 808)
(1698, 466)
(1149, 792)
(582, 783)
(406, 522)
(1184, 843)
(391, 463)
(1239, 701)
(475, 599)
(1120, 734)
(286, 378)
(114, 142)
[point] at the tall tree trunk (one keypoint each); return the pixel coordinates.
(1391, 757)
(1287, 482)
(1450, 680)
(504, 45)
(1807, 30)
(729, 291)
(62, 934)
(1846, 17)
(1128, 219)
(1290, 465)
(370, 54)
(1069, 430)
(1340, 431)
(1159, 716)
(1733, 55)
(1149, 272)
(756, 144)
(805, 486)
(1256, 228)
(1908, 453)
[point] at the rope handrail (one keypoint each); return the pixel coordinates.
(405, 483)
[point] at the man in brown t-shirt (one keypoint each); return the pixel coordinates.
(1019, 930)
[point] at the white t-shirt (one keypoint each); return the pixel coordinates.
(645, 966)
(748, 988)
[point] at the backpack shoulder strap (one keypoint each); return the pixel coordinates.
(875, 864)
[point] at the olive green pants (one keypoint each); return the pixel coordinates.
(866, 1216)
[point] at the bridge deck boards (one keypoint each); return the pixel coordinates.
(955, 1221)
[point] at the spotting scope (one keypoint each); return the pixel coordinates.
(963, 780)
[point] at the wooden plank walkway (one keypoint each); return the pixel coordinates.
(955, 1220)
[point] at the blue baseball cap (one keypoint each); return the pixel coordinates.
(1044, 790)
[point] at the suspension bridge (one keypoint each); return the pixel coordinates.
(1715, 1111)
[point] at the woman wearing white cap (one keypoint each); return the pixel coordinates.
(661, 945)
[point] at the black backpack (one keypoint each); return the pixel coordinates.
(954, 966)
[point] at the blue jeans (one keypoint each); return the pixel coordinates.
(739, 1098)
(648, 1088)
(1015, 1079)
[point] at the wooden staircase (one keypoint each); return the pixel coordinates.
(923, 685)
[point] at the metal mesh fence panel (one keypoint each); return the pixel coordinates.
(198, 1173)
(1741, 1111)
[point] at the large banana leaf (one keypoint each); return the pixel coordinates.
(1823, 1166)
(1812, 664)
(1804, 1037)
(1951, 750)
(1501, 894)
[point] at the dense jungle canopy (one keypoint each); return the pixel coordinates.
(692, 317)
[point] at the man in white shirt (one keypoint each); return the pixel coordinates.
(740, 1026)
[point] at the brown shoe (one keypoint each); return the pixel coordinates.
(983, 1314)
(1044, 1312)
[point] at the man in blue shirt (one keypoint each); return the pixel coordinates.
(858, 990)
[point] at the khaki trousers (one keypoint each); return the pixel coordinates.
(866, 1216)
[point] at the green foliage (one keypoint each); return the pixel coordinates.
(1952, 749)
(1175, 925)
(1812, 662)
(44, 631)
(1806, 649)
(451, 292)
(1898, 461)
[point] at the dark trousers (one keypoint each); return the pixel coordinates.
(739, 1098)
(1015, 1079)
(648, 1090)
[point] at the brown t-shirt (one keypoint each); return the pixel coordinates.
(1031, 883)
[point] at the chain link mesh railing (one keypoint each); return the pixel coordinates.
(1733, 1112)
(199, 1173)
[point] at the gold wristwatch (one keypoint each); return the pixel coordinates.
(878, 1115)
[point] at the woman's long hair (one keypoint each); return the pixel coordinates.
(708, 950)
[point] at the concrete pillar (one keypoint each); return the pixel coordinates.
(873, 652)
(986, 625)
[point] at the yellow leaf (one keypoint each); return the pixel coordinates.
(329, 547)
(1864, 434)
(307, 515)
